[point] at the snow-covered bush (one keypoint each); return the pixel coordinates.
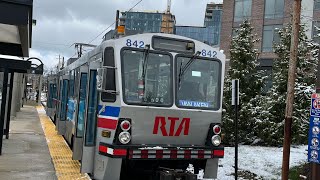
(243, 62)
(275, 101)
(261, 116)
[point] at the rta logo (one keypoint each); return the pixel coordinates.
(160, 123)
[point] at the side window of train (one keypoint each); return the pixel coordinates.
(110, 79)
(76, 82)
(71, 83)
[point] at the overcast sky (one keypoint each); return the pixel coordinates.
(61, 23)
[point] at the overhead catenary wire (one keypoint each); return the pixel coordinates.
(112, 23)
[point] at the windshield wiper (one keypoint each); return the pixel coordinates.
(183, 69)
(144, 67)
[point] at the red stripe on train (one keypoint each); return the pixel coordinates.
(103, 149)
(107, 123)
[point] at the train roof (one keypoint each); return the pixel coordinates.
(118, 41)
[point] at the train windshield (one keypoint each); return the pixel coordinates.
(199, 86)
(147, 77)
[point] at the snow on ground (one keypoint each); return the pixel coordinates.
(263, 161)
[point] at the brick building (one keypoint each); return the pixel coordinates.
(315, 20)
(266, 16)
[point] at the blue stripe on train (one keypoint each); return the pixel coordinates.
(109, 111)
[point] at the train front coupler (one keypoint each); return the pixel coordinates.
(175, 174)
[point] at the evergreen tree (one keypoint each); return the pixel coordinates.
(275, 102)
(243, 61)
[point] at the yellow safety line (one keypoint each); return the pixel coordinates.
(61, 154)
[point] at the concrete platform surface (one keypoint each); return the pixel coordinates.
(25, 155)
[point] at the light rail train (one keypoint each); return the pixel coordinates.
(142, 107)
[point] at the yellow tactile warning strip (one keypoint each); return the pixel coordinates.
(61, 154)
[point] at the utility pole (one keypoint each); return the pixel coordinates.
(290, 88)
(59, 66)
(79, 47)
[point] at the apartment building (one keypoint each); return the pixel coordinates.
(144, 22)
(210, 32)
(267, 17)
(314, 19)
(200, 33)
(212, 19)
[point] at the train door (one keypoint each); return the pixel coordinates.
(71, 104)
(88, 153)
(81, 111)
(63, 97)
(51, 99)
(54, 101)
(49, 105)
(58, 101)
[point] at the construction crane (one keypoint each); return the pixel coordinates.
(168, 6)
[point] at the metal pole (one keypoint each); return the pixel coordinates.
(236, 135)
(3, 106)
(235, 103)
(290, 88)
(117, 24)
(117, 19)
(9, 105)
(39, 90)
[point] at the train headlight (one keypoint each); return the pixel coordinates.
(124, 137)
(216, 140)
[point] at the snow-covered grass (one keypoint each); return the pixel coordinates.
(265, 162)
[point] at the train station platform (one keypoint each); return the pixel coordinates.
(34, 150)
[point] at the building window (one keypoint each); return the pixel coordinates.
(274, 9)
(270, 36)
(242, 10)
(266, 71)
(316, 31)
(317, 4)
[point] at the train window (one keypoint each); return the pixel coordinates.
(147, 77)
(110, 77)
(71, 101)
(64, 99)
(199, 86)
(82, 104)
(51, 95)
(76, 81)
(49, 104)
(54, 94)
(92, 110)
(71, 84)
(108, 57)
(60, 97)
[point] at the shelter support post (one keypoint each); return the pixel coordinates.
(3, 106)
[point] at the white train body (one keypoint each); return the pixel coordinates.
(137, 104)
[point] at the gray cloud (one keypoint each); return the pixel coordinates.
(63, 22)
(95, 10)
